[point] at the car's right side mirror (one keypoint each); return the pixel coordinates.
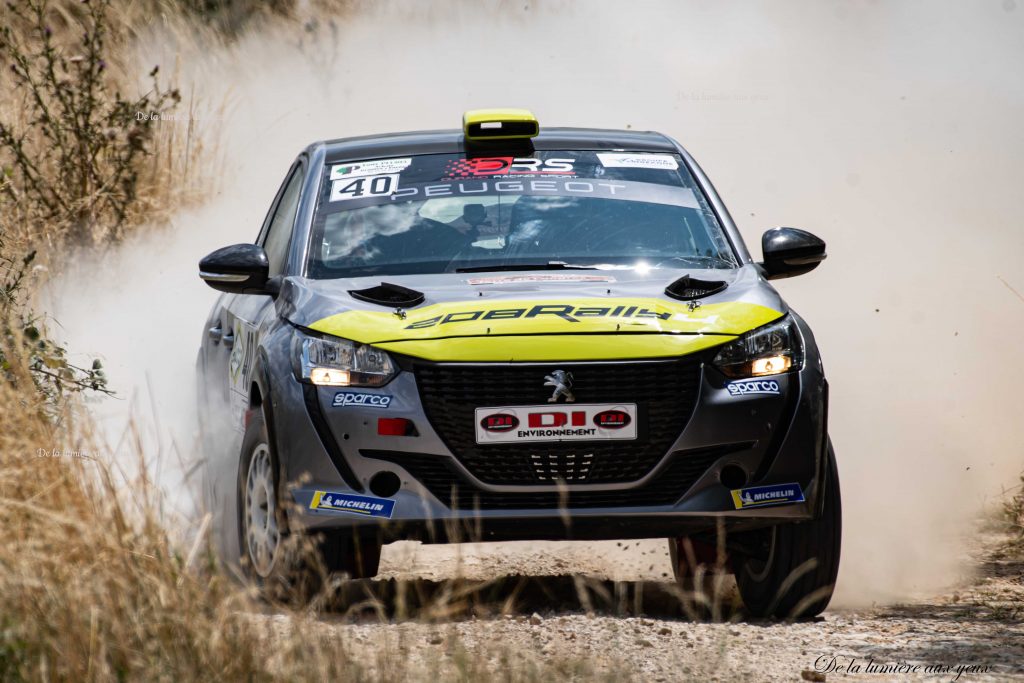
(789, 251)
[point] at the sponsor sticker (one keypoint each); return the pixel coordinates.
(564, 422)
(624, 160)
(363, 187)
(761, 496)
(364, 168)
(366, 506)
(507, 166)
(566, 312)
(359, 398)
(553, 277)
(499, 422)
(753, 386)
(547, 186)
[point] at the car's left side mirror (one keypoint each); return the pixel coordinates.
(238, 269)
(789, 251)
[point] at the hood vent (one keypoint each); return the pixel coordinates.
(687, 288)
(388, 294)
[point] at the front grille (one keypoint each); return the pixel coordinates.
(444, 481)
(665, 393)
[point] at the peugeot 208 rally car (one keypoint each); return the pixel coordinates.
(519, 334)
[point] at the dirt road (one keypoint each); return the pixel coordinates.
(519, 608)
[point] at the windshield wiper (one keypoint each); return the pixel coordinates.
(550, 265)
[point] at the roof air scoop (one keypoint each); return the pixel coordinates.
(688, 288)
(388, 294)
(499, 124)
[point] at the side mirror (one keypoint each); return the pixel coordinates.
(238, 269)
(789, 251)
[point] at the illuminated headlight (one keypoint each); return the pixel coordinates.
(336, 362)
(768, 350)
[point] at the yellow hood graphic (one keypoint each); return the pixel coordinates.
(567, 329)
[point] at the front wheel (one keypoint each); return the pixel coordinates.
(795, 573)
(271, 553)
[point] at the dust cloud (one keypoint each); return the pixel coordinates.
(892, 131)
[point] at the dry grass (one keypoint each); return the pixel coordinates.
(81, 167)
(94, 587)
(82, 162)
(1013, 513)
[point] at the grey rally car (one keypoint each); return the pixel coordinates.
(503, 332)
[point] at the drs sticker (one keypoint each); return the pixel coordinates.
(761, 496)
(508, 166)
(368, 186)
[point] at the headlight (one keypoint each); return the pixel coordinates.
(769, 350)
(336, 362)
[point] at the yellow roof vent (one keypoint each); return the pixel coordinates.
(499, 124)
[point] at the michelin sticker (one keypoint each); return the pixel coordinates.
(348, 502)
(760, 496)
(753, 386)
(358, 398)
(365, 168)
(619, 160)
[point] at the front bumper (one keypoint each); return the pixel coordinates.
(773, 439)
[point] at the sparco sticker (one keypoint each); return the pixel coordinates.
(753, 386)
(575, 422)
(619, 160)
(364, 168)
(358, 398)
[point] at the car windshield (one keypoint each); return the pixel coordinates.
(444, 213)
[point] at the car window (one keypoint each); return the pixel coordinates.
(440, 213)
(280, 230)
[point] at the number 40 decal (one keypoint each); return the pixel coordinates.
(367, 186)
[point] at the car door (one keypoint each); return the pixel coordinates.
(233, 329)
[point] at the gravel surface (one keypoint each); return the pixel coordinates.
(540, 611)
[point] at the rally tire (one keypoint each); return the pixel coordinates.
(797, 578)
(262, 523)
(285, 565)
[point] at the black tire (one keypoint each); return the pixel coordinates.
(291, 568)
(797, 578)
(353, 553)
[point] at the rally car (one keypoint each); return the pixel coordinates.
(503, 332)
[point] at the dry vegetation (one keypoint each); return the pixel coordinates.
(93, 587)
(1013, 511)
(79, 167)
